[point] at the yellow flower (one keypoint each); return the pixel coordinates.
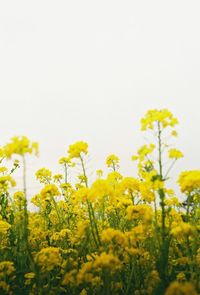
(30, 275)
(5, 287)
(66, 161)
(77, 149)
(43, 175)
(175, 154)
(164, 117)
(83, 292)
(129, 184)
(174, 133)
(107, 260)
(19, 199)
(182, 229)
(99, 189)
(177, 288)
(173, 201)
(49, 258)
(114, 235)
(50, 190)
(6, 181)
(143, 212)
(4, 227)
(20, 145)
(99, 173)
(112, 161)
(181, 277)
(3, 170)
(6, 268)
(58, 177)
(144, 151)
(189, 181)
(69, 277)
(82, 194)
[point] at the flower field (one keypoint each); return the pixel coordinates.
(113, 235)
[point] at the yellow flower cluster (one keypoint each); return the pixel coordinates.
(140, 212)
(77, 149)
(112, 234)
(49, 258)
(43, 175)
(177, 288)
(50, 190)
(183, 229)
(189, 181)
(6, 181)
(20, 145)
(112, 161)
(175, 154)
(164, 117)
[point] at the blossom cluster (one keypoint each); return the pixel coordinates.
(114, 235)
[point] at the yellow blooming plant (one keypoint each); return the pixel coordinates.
(112, 234)
(77, 149)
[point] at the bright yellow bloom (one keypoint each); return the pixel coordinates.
(105, 260)
(77, 149)
(6, 181)
(19, 199)
(175, 154)
(43, 175)
(3, 170)
(82, 194)
(58, 177)
(164, 117)
(173, 201)
(100, 188)
(114, 235)
(49, 258)
(66, 161)
(189, 181)
(114, 177)
(130, 185)
(50, 190)
(183, 229)
(30, 275)
(144, 212)
(20, 145)
(4, 227)
(144, 151)
(112, 161)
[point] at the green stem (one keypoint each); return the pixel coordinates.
(160, 150)
(169, 169)
(26, 232)
(65, 166)
(84, 172)
(24, 176)
(90, 209)
(163, 259)
(130, 279)
(91, 223)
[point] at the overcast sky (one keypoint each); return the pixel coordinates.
(89, 70)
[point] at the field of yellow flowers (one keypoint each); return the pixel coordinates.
(115, 235)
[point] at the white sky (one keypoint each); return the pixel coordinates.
(89, 70)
